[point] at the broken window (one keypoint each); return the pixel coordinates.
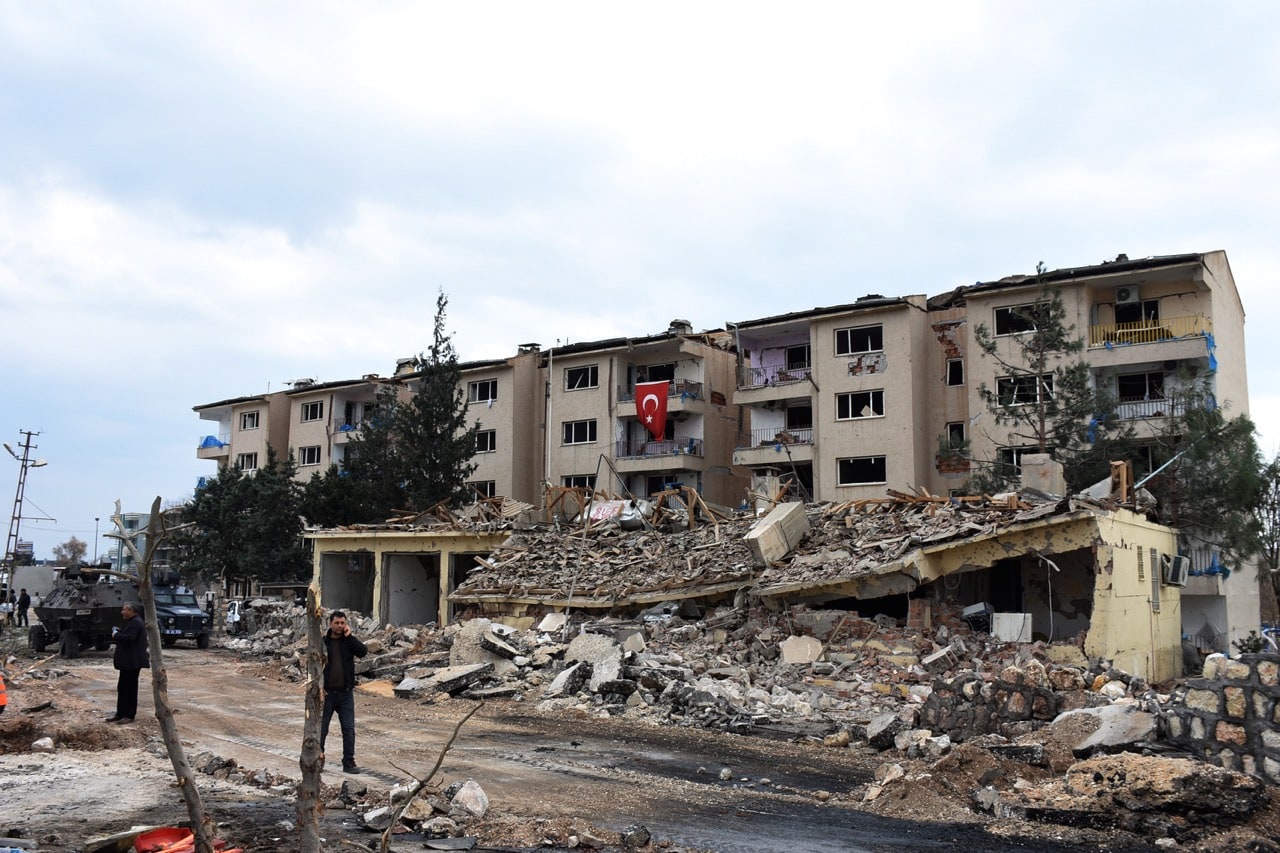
(1131, 387)
(312, 411)
(659, 483)
(1024, 390)
(309, 455)
(1010, 458)
(800, 417)
(249, 420)
(1147, 311)
(483, 488)
(1015, 319)
(955, 371)
(798, 357)
(861, 470)
(486, 441)
(577, 378)
(859, 339)
(860, 404)
(579, 481)
(956, 435)
(482, 391)
(247, 461)
(580, 432)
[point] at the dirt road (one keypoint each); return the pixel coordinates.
(696, 789)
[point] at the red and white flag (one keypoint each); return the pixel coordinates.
(651, 407)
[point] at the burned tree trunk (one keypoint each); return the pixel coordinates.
(311, 761)
(202, 826)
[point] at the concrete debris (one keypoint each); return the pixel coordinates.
(470, 800)
(1119, 727)
(44, 744)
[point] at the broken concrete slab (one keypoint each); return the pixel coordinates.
(1118, 726)
(800, 649)
(775, 535)
(491, 642)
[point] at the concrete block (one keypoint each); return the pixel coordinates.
(778, 533)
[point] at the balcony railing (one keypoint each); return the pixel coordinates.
(1143, 409)
(776, 374)
(773, 435)
(676, 447)
(1149, 331)
(685, 389)
(345, 425)
(206, 442)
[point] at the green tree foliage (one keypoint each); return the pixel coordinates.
(1045, 396)
(334, 498)
(414, 453)
(70, 553)
(1267, 513)
(1213, 479)
(245, 525)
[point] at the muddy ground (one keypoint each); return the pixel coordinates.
(553, 782)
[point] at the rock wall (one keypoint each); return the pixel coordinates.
(1230, 716)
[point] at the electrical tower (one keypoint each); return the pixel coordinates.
(15, 520)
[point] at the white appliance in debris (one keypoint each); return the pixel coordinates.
(1011, 627)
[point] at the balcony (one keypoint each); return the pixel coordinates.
(681, 389)
(214, 446)
(771, 446)
(1147, 409)
(1109, 335)
(344, 429)
(682, 454)
(776, 374)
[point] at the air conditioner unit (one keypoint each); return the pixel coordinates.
(1174, 569)
(1127, 295)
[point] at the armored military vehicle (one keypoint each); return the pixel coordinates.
(84, 608)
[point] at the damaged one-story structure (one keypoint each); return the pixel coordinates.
(1023, 566)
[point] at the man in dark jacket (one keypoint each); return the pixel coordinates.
(130, 658)
(24, 603)
(341, 649)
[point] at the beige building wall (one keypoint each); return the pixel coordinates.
(509, 450)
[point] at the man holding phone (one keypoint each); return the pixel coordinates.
(341, 649)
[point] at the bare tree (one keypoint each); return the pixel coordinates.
(311, 760)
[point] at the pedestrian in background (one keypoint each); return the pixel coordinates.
(341, 649)
(24, 603)
(130, 659)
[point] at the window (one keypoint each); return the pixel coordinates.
(249, 420)
(656, 372)
(860, 404)
(486, 441)
(1015, 319)
(659, 483)
(312, 411)
(955, 371)
(1131, 387)
(798, 357)
(799, 417)
(484, 488)
(956, 435)
(579, 481)
(482, 391)
(309, 455)
(861, 470)
(1009, 459)
(577, 378)
(859, 339)
(1024, 390)
(580, 432)
(247, 461)
(1147, 311)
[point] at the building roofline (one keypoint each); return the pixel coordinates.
(866, 303)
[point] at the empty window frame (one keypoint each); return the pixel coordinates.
(579, 432)
(579, 481)
(309, 455)
(861, 470)
(860, 404)
(1015, 319)
(956, 434)
(800, 417)
(249, 420)
(487, 441)
(312, 411)
(578, 378)
(797, 357)
(1009, 459)
(955, 371)
(482, 391)
(1146, 311)
(859, 339)
(484, 488)
(1131, 387)
(247, 461)
(1024, 390)
(658, 483)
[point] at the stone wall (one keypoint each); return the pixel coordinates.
(1230, 716)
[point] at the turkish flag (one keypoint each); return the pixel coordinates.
(651, 407)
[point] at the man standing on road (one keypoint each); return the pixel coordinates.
(130, 658)
(341, 649)
(24, 602)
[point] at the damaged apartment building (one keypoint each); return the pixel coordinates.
(831, 406)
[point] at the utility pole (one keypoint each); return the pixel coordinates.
(15, 519)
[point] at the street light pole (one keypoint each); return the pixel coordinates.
(15, 520)
(95, 540)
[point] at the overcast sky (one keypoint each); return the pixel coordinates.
(207, 200)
